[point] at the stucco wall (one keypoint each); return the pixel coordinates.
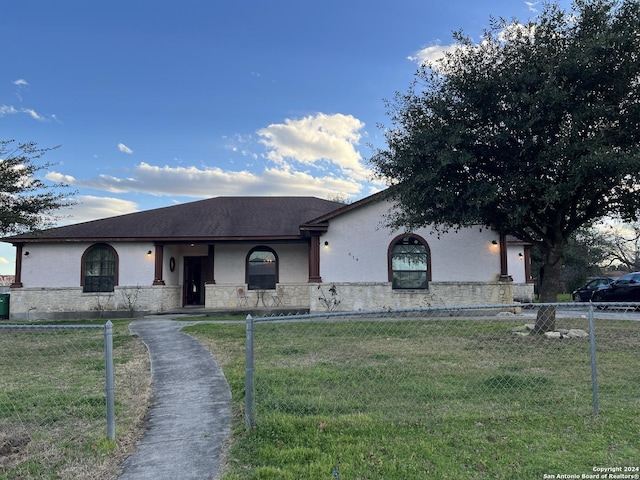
(358, 244)
(58, 265)
(230, 261)
(515, 263)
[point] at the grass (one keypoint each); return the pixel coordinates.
(212, 318)
(52, 401)
(433, 399)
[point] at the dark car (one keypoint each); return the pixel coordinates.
(585, 293)
(624, 289)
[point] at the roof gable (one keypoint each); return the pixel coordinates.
(323, 219)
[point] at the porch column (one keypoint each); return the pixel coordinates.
(157, 277)
(17, 281)
(314, 259)
(527, 264)
(210, 271)
(504, 270)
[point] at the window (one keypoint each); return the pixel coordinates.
(262, 269)
(99, 269)
(409, 263)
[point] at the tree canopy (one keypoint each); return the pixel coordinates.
(26, 202)
(534, 130)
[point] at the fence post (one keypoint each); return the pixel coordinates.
(249, 386)
(594, 364)
(108, 363)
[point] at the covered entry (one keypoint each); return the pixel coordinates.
(196, 271)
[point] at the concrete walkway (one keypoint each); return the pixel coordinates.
(190, 418)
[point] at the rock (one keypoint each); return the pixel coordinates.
(523, 331)
(577, 333)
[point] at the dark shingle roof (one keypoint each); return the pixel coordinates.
(220, 218)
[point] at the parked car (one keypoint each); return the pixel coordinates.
(585, 293)
(624, 289)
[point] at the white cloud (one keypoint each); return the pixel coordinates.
(124, 149)
(315, 139)
(21, 82)
(532, 6)
(59, 178)
(430, 55)
(11, 110)
(7, 259)
(33, 114)
(7, 110)
(91, 207)
(313, 156)
(212, 182)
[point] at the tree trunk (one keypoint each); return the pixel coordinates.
(550, 287)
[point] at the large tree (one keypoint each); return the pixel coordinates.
(534, 130)
(27, 202)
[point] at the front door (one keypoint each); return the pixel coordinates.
(194, 270)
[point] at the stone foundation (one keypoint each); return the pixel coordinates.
(380, 296)
(225, 297)
(51, 303)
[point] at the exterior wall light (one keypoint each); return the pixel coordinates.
(149, 253)
(494, 243)
(326, 243)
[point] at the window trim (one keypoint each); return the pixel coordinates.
(116, 273)
(261, 248)
(392, 244)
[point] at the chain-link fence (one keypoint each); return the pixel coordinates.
(56, 392)
(404, 364)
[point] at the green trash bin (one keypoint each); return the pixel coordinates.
(4, 306)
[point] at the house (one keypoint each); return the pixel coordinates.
(252, 253)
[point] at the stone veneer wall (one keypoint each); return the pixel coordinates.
(222, 296)
(523, 292)
(380, 296)
(52, 303)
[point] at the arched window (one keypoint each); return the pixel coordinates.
(409, 263)
(99, 268)
(262, 269)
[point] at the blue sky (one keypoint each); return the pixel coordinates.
(161, 102)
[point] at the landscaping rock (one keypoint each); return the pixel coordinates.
(553, 334)
(520, 328)
(577, 333)
(523, 331)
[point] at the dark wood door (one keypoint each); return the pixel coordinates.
(194, 277)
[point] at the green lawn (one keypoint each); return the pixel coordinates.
(437, 399)
(52, 402)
